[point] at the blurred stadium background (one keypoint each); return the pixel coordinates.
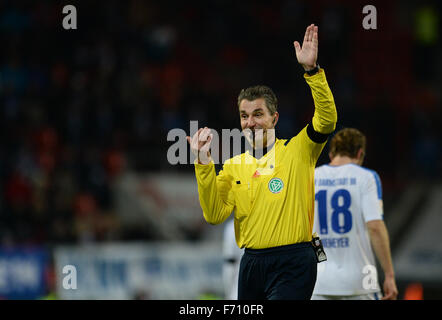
(84, 178)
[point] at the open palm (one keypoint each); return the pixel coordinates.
(308, 53)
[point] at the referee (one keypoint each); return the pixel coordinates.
(272, 195)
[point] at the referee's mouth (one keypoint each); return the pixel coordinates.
(255, 136)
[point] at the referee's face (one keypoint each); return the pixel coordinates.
(257, 122)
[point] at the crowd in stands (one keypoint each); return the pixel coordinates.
(80, 107)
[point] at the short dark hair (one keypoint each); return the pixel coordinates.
(257, 92)
(347, 142)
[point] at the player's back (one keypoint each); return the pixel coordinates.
(346, 198)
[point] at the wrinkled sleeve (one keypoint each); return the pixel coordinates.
(215, 193)
(325, 116)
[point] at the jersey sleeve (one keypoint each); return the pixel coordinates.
(311, 140)
(325, 116)
(302, 145)
(372, 205)
(215, 193)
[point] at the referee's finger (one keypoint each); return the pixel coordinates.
(310, 34)
(194, 142)
(305, 36)
(206, 146)
(204, 134)
(196, 135)
(315, 35)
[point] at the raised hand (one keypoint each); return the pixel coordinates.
(308, 53)
(200, 145)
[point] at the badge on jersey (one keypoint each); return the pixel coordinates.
(319, 249)
(275, 185)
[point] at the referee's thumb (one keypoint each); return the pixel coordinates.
(297, 46)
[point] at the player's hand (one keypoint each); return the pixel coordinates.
(200, 145)
(390, 289)
(308, 53)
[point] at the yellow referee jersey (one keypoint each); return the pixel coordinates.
(272, 197)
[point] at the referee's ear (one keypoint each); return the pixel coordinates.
(331, 156)
(275, 118)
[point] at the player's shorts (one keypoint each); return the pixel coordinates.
(368, 296)
(279, 273)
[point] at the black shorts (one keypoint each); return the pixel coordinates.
(279, 273)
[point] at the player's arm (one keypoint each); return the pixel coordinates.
(325, 115)
(372, 210)
(381, 246)
(214, 191)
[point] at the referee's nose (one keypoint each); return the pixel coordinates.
(250, 123)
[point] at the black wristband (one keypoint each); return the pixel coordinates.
(314, 71)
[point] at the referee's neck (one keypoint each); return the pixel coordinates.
(261, 152)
